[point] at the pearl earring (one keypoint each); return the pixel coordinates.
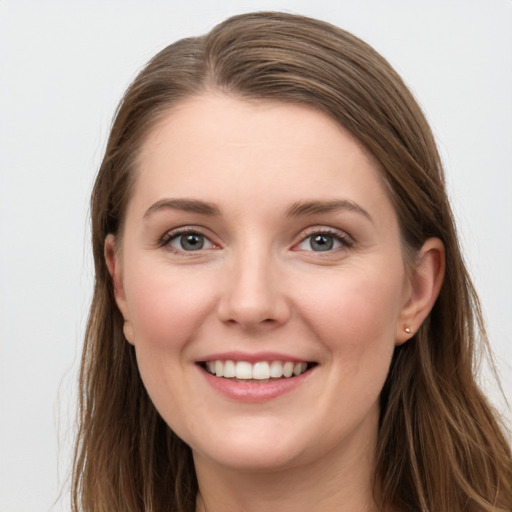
(408, 330)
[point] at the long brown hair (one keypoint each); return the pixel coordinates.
(440, 446)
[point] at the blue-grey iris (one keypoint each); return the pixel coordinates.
(321, 242)
(192, 241)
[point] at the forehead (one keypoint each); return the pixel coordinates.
(217, 147)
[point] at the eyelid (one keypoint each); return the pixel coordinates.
(345, 240)
(175, 233)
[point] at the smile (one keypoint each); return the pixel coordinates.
(260, 370)
(255, 378)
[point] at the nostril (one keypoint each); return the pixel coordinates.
(252, 306)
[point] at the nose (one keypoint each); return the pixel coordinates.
(254, 295)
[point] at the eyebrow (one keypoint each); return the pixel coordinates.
(297, 209)
(185, 205)
(302, 208)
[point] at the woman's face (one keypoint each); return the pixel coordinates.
(259, 241)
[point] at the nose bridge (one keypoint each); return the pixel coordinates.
(252, 293)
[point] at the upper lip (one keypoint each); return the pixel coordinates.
(252, 357)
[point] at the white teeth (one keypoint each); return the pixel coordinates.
(229, 370)
(288, 369)
(262, 370)
(219, 369)
(299, 368)
(243, 370)
(276, 369)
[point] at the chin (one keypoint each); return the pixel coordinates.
(251, 452)
(262, 460)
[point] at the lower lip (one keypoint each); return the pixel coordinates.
(254, 391)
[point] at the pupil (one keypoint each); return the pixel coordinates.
(321, 243)
(192, 242)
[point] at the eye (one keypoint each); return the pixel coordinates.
(324, 241)
(187, 241)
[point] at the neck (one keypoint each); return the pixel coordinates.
(342, 480)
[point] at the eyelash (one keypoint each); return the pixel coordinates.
(344, 240)
(175, 235)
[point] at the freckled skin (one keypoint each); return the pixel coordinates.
(258, 285)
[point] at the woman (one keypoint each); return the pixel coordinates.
(282, 319)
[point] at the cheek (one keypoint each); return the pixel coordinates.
(165, 306)
(165, 311)
(355, 311)
(355, 321)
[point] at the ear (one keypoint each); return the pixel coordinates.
(424, 283)
(114, 268)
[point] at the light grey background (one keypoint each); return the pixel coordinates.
(64, 66)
